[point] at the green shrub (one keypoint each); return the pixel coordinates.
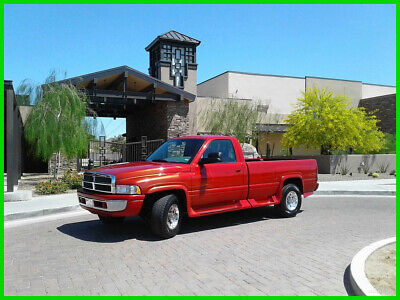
(344, 169)
(375, 175)
(383, 167)
(390, 144)
(72, 179)
(366, 169)
(51, 187)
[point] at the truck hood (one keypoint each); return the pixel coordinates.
(141, 169)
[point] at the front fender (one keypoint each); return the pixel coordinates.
(169, 187)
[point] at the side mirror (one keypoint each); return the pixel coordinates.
(213, 157)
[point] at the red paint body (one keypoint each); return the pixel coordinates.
(210, 188)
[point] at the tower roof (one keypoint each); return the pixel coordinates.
(173, 35)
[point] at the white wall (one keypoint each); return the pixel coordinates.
(350, 89)
(216, 87)
(373, 90)
(279, 92)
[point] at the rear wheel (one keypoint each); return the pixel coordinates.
(166, 216)
(111, 220)
(290, 201)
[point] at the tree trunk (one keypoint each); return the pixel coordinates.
(57, 166)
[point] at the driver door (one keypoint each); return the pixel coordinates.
(220, 183)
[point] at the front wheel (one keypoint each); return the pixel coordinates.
(166, 216)
(290, 201)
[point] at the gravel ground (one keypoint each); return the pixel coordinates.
(354, 176)
(380, 269)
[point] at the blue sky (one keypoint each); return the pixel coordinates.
(356, 42)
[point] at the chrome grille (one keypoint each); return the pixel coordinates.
(99, 182)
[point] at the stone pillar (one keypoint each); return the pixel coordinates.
(177, 118)
(65, 164)
(161, 120)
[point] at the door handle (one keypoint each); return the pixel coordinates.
(238, 170)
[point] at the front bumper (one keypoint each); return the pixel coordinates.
(111, 205)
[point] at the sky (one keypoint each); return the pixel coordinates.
(354, 42)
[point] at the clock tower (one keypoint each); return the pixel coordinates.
(173, 60)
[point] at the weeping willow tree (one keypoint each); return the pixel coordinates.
(231, 117)
(57, 122)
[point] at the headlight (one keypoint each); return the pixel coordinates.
(128, 189)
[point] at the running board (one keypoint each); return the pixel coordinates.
(242, 204)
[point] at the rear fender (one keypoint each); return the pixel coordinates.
(284, 178)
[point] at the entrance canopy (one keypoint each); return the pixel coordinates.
(117, 92)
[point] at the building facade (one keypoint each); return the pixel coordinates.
(278, 95)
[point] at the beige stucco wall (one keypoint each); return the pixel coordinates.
(373, 90)
(274, 140)
(216, 87)
(190, 84)
(25, 111)
(279, 92)
(350, 89)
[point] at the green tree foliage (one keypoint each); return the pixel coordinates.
(23, 93)
(390, 144)
(326, 122)
(57, 122)
(117, 143)
(231, 117)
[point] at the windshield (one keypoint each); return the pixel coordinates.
(177, 151)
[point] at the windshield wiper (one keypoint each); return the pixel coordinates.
(159, 160)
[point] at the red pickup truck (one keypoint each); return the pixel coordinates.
(195, 176)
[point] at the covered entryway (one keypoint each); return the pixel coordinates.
(154, 110)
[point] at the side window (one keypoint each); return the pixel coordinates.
(223, 146)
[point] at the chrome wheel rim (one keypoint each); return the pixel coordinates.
(173, 217)
(292, 200)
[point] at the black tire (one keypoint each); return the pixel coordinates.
(285, 209)
(111, 220)
(159, 217)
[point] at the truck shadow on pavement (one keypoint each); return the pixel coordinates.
(136, 228)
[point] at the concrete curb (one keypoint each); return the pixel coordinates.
(371, 193)
(358, 280)
(38, 213)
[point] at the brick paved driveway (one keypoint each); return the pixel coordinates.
(243, 253)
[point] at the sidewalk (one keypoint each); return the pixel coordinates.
(45, 205)
(39, 206)
(385, 187)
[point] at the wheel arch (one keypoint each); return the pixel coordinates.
(296, 179)
(179, 191)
